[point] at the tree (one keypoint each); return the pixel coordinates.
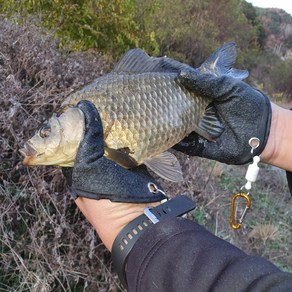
(252, 16)
(191, 29)
(108, 26)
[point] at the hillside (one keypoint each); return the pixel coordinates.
(45, 54)
(271, 66)
(277, 26)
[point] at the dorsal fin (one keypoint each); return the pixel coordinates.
(137, 61)
(221, 62)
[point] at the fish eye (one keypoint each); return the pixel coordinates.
(45, 131)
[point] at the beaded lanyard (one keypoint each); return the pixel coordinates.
(251, 177)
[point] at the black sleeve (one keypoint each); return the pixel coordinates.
(180, 255)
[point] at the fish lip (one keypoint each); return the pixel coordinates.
(28, 152)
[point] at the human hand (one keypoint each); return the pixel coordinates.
(244, 112)
(107, 194)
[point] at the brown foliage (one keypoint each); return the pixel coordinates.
(45, 243)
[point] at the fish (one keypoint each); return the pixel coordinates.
(145, 108)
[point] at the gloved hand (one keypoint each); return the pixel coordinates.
(244, 111)
(119, 203)
(96, 177)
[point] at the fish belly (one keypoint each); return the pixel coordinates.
(143, 114)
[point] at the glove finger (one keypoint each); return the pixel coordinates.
(92, 144)
(209, 85)
(192, 145)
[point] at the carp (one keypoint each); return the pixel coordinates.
(146, 108)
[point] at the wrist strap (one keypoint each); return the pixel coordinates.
(128, 236)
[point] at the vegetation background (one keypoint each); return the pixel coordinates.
(50, 48)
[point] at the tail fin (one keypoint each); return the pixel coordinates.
(221, 62)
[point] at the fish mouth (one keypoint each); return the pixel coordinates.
(28, 152)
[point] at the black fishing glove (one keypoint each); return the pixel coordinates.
(244, 111)
(96, 177)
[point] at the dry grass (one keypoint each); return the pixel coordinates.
(45, 243)
(263, 233)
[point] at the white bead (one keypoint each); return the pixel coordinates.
(247, 186)
(253, 170)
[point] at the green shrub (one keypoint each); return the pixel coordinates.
(108, 26)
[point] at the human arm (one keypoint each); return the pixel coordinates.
(278, 149)
(109, 218)
(179, 254)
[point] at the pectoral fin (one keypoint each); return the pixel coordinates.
(120, 156)
(210, 126)
(165, 165)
